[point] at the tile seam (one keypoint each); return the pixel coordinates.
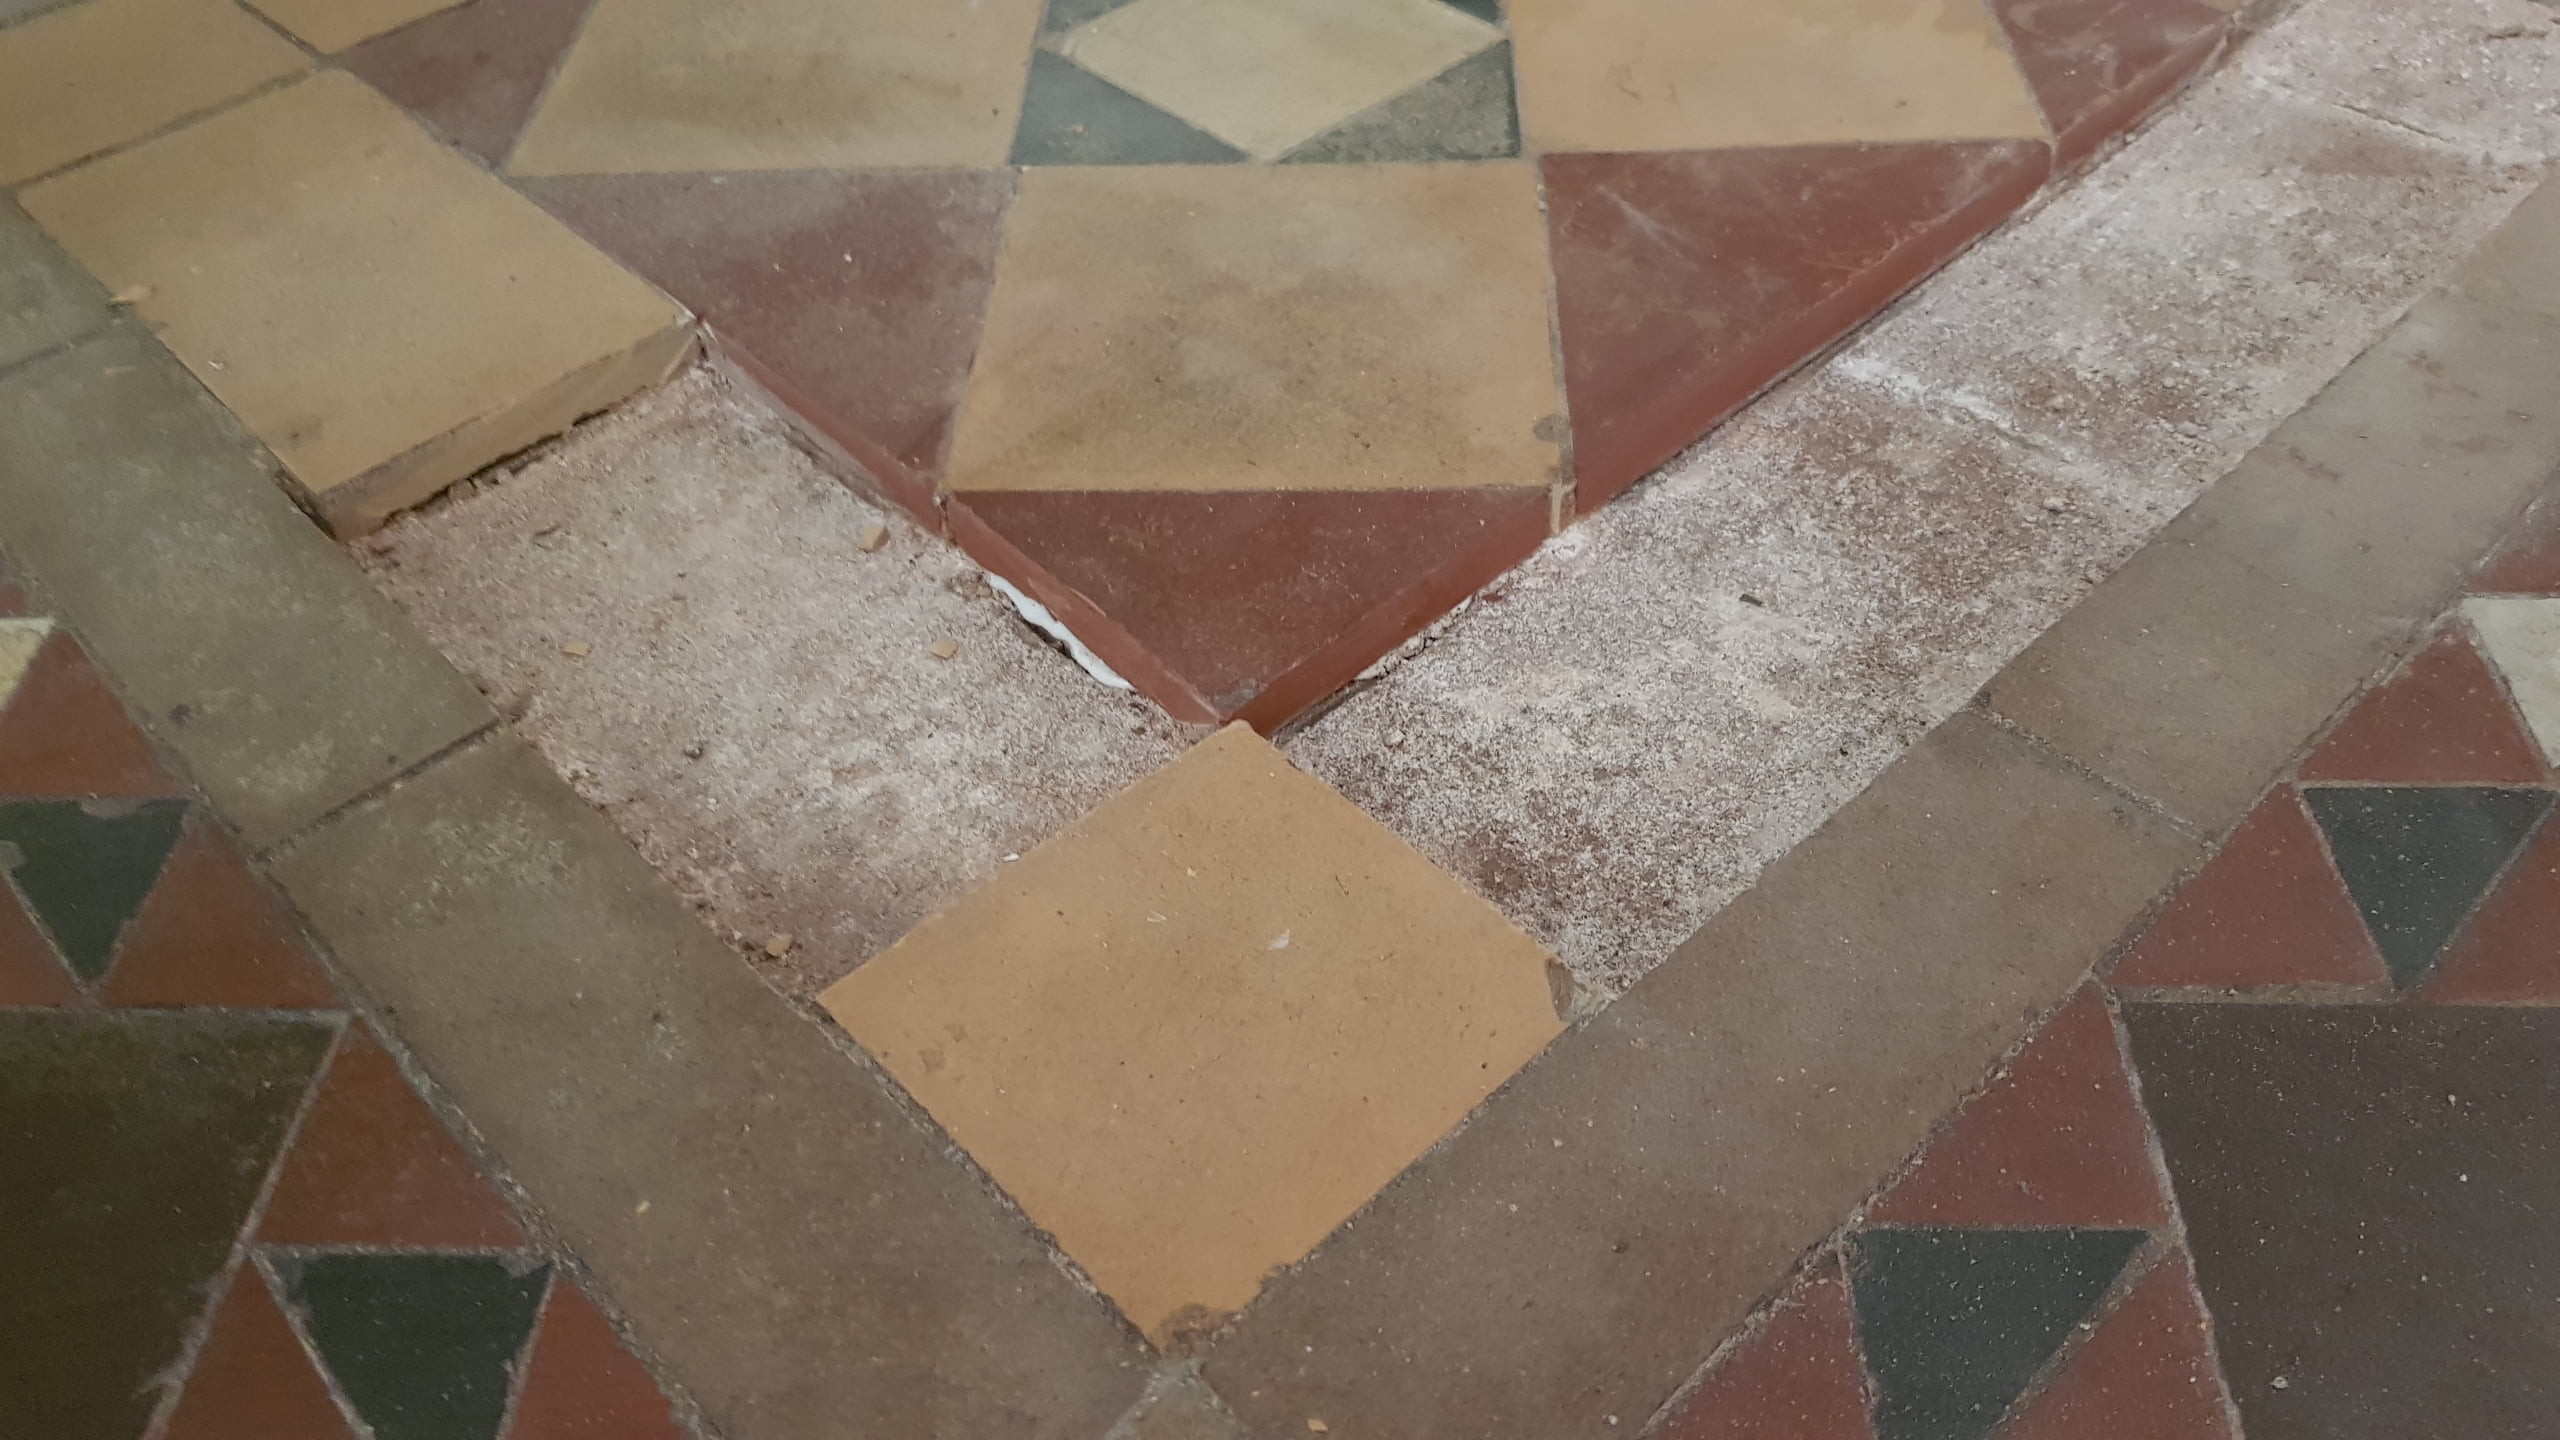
(192, 118)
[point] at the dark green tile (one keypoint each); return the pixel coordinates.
(1070, 116)
(1955, 1322)
(1489, 11)
(84, 867)
(131, 1147)
(1467, 112)
(2417, 859)
(423, 1346)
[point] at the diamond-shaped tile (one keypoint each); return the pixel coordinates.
(1196, 1031)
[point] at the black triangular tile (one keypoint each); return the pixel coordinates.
(423, 1346)
(1467, 112)
(85, 867)
(2416, 859)
(1956, 1322)
(1071, 116)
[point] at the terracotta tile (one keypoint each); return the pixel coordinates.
(1196, 1031)
(1798, 1379)
(381, 312)
(1652, 75)
(2510, 952)
(2527, 561)
(1296, 327)
(81, 79)
(2267, 910)
(2057, 1140)
(582, 1385)
(473, 72)
(30, 973)
(2097, 65)
(1686, 282)
(372, 1165)
(212, 935)
(329, 26)
(65, 733)
(2417, 860)
(1245, 605)
(253, 1380)
(423, 1347)
(2443, 717)
(2521, 635)
(2148, 1371)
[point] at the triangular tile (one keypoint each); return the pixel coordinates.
(2415, 860)
(2058, 1140)
(1688, 280)
(2147, 1373)
(2266, 910)
(212, 935)
(474, 71)
(1071, 116)
(2443, 718)
(1488, 11)
(2510, 952)
(424, 1347)
(30, 973)
(582, 1385)
(2096, 65)
(2521, 634)
(373, 1166)
(1955, 1323)
(1467, 112)
(20, 639)
(1797, 1379)
(253, 1380)
(84, 866)
(65, 733)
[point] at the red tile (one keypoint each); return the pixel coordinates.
(1247, 605)
(2146, 1373)
(212, 935)
(253, 1380)
(2268, 910)
(30, 973)
(2527, 562)
(373, 1166)
(582, 1385)
(1798, 1379)
(66, 733)
(1687, 281)
(13, 600)
(2443, 717)
(475, 71)
(2097, 66)
(2510, 953)
(2058, 1140)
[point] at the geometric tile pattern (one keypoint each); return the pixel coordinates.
(2417, 860)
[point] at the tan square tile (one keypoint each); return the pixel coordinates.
(1195, 1032)
(1681, 75)
(1264, 75)
(1233, 327)
(661, 85)
(382, 313)
(76, 81)
(330, 26)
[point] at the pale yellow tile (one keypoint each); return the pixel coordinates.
(20, 639)
(1705, 74)
(375, 308)
(76, 81)
(1195, 1032)
(1264, 75)
(659, 85)
(1251, 327)
(330, 26)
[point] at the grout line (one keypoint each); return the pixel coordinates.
(329, 1385)
(503, 165)
(186, 121)
(485, 730)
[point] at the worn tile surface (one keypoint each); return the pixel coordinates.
(472, 72)
(80, 79)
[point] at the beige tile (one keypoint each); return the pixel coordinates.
(383, 314)
(76, 81)
(1193, 1033)
(330, 26)
(20, 639)
(1264, 75)
(665, 85)
(1353, 327)
(1678, 74)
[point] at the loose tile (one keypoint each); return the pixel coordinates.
(2097, 65)
(1796, 1379)
(30, 972)
(253, 1380)
(98, 74)
(473, 72)
(580, 1384)
(1070, 116)
(2148, 1370)
(2442, 718)
(424, 1347)
(329, 26)
(1615, 75)
(45, 299)
(1467, 112)
(2417, 860)
(2522, 636)
(1344, 327)
(211, 934)
(382, 313)
(372, 1165)
(1193, 1033)
(137, 1144)
(2505, 955)
(2364, 1191)
(84, 867)
(65, 733)
(2266, 910)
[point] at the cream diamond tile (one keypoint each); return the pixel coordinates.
(1684, 75)
(1264, 75)
(76, 81)
(1196, 1031)
(2522, 636)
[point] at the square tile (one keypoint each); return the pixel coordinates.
(78, 80)
(329, 26)
(1195, 1032)
(379, 311)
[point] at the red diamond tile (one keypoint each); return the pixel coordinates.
(2097, 65)
(30, 973)
(1798, 1379)
(2527, 562)
(2147, 1373)
(475, 71)
(2510, 953)
(253, 1380)
(2058, 1140)
(211, 935)
(373, 1166)
(2268, 910)
(66, 733)
(2444, 717)
(1686, 281)
(582, 1385)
